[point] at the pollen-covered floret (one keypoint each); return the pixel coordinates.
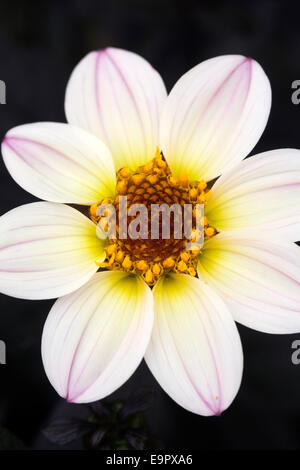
(153, 183)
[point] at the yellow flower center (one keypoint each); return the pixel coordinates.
(153, 183)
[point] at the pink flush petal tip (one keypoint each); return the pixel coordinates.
(5, 139)
(69, 398)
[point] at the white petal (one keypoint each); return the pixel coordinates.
(214, 116)
(260, 193)
(95, 338)
(46, 250)
(195, 351)
(259, 280)
(59, 163)
(118, 96)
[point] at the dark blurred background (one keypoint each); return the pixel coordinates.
(40, 43)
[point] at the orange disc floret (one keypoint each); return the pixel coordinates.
(153, 183)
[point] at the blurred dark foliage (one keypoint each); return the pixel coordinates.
(109, 426)
(8, 441)
(40, 43)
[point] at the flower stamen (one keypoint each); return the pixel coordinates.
(150, 184)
